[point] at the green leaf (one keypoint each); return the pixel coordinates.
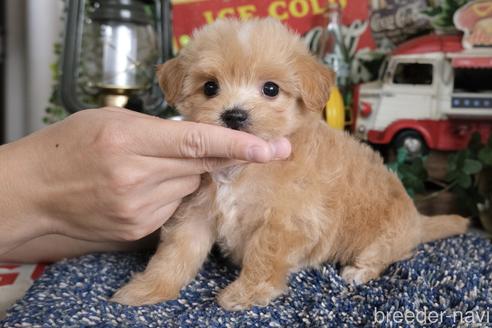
(475, 142)
(452, 162)
(393, 166)
(411, 180)
(451, 176)
(419, 167)
(462, 156)
(485, 155)
(433, 11)
(412, 172)
(464, 180)
(401, 155)
(418, 173)
(471, 166)
(410, 192)
(489, 142)
(418, 185)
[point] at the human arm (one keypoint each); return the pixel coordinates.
(111, 174)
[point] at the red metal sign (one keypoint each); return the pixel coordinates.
(300, 15)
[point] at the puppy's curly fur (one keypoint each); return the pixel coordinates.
(333, 200)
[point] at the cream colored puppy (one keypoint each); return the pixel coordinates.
(333, 200)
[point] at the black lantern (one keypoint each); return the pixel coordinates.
(110, 53)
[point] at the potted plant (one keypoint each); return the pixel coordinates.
(468, 178)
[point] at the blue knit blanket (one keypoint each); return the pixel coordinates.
(446, 283)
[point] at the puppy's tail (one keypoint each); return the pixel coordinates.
(442, 226)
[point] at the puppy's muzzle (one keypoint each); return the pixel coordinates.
(235, 118)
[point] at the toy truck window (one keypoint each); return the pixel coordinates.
(413, 73)
(472, 79)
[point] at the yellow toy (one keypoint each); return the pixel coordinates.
(335, 110)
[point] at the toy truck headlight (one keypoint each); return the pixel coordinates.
(365, 109)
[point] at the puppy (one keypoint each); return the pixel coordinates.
(332, 200)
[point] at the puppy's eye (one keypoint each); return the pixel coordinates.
(211, 88)
(270, 89)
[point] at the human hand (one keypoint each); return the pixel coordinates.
(112, 174)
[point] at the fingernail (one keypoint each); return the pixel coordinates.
(281, 148)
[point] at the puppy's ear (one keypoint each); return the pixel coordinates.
(171, 76)
(315, 82)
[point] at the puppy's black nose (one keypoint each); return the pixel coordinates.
(235, 118)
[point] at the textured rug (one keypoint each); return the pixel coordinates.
(447, 283)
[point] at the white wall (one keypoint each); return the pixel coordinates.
(15, 125)
(33, 26)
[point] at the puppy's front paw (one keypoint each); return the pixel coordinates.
(142, 291)
(237, 297)
(357, 276)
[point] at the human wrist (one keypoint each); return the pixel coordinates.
(20, 214)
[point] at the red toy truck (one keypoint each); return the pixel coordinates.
(433, 94)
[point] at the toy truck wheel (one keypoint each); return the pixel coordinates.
(412, 141)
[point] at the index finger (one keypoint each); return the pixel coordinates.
(181, 139)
